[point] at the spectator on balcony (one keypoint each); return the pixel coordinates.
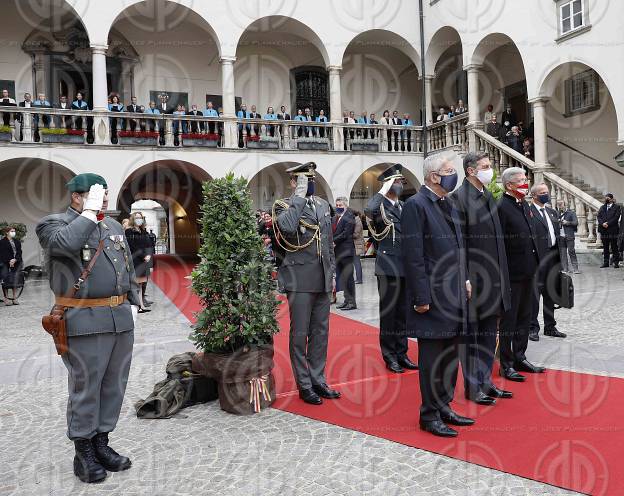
(283, 114)
(270, 116)
(307, 114)
(62, 120)
(42, 102)
(396, 121)
(495, 130)
(442, 115)
(195, 126)
(220, 124)
(373, 121)
(26, 103)
(385, 121)
(299, 117)
(135, 109)
(363, 119)
(151, 109)
(7, 101)
(114, 106)
(210, 112)
(527, 149)
(406, 136)
(179, 122)
(451, 113)
(514, 140)
(461, 108)
(509, 118)
(242, 114)
(487, 118)
(321, 118)
(163, 105)
(80, 104)
(255, 115)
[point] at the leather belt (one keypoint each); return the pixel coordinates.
(111, 301)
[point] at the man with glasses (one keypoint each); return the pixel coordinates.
(437, 291)
(488, 273)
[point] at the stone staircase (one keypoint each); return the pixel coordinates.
(579, 183)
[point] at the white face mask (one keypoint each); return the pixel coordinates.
(138, 222)
(11, 234)
(485, 176)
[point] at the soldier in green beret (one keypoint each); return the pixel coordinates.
(99, 317)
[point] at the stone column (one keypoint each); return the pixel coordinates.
(101, 125)
(474, 109)
(335, 102)
(428, 98)
(540, 142)
(230, 129)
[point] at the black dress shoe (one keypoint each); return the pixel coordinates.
(107, 456)
(494, 392)
(480, 398)
(533, 336)
(309, 396)
(453, 418)
(324, 391)
(351, 306)
(394, 367)
(526, 366)
(342, 305)
(406, 363)
(438, 428)
(512, 375)
(604, 266)
(555, 333)
(86, 465)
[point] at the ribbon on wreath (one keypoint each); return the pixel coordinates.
(258, 386)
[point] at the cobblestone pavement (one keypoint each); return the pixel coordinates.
(206, 451)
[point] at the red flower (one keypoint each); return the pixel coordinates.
(75, 132)
(255, 137)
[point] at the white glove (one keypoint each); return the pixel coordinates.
(302, 186)
(386, 187)
(95, 198)
(147, 258)
(135, 312)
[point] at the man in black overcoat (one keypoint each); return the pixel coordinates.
(488, 274)
(608, 218)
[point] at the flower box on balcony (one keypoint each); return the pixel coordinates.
(198, 139)
(62, 135)
(5, 133)
(313, 144)
(263, 142)
(141, 138)
(364, 145)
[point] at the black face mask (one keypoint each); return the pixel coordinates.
(397, 189)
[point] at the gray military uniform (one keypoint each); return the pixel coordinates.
(306, 275)
(100, 339)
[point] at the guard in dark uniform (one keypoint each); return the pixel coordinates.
(99, 319)
(383, 215)
(302, 226)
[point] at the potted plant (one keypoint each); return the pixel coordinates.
(147, 138)
(364, 145)
(263, 142)
(234, 330)
(495, 187)
(6, 133)
(62, 135)
(312, 143)
(210, 140)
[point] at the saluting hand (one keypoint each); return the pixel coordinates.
(95, 198)
(386, 187)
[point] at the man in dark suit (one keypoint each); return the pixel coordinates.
(283, 115)
(608, 218)
(196, 127)
(495, 130)
(163, 104)
(7, 101)
(508, 118)
(302, 226)
(395, 121)
(569, 223)
(547, 232)
(488, 274)
(437, 291)
(383, 212)
(137, 109)
(523, 259)
(343, 225)
(63, 121)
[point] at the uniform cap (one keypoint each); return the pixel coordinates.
(308, 169)
(82, 182)
(394, 172)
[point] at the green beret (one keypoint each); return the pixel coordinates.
(82, 182)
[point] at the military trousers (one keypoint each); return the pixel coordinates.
(98, 367)
(309, 332)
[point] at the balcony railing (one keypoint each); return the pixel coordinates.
(44, 125)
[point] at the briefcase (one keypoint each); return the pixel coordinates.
(563, 296)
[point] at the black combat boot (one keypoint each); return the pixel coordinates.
(107, 456)
(86, 465)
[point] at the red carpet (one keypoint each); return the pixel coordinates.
(561, 428)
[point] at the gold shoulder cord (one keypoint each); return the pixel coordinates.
(291, 247)
(388, 223)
